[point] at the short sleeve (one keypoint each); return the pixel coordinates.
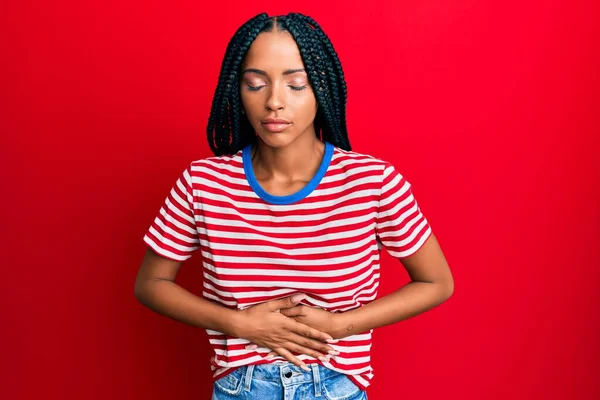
(173, 232)
(400, 225)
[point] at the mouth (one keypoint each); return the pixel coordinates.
(275, 126)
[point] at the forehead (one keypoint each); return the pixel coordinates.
(273, 52)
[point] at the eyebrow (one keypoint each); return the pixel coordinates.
(261, 72)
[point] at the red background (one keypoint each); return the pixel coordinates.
(491, 112)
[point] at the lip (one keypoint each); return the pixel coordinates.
(275, 121)
(271, 127)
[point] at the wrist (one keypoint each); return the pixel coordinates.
(341, 324)
(236, 324)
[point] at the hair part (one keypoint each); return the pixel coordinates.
(229, 129)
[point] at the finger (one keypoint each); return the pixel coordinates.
(293, 312)
(286, 302)
(314, 354)
(309, 332)
(299, 349)
(315, 346)
(290, 357)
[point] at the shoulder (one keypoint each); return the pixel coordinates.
(211, 169)
(379, 170)
(352, 158)
(217, 163)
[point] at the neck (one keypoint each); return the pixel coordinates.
(297, 161)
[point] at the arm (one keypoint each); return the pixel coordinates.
(156, 289)
(431, 284)
(399, 217)
(155, 286)
(263, 324)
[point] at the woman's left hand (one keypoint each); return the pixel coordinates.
(317, 318)
(314, 317)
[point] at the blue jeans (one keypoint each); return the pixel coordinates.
(285, 381)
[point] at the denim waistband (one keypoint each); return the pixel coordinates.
(288, 371)
(287, 374)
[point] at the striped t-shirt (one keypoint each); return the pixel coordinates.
(324, 241)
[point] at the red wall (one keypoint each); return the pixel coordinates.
(492, 114)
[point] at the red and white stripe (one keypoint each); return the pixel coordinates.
(326, 245)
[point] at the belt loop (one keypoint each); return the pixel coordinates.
(248, 377)
(316, 379)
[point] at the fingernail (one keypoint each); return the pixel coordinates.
(334, 352)
(304, 367)
(251, 347)
(322, 359)
(332, 340)
(270, 356)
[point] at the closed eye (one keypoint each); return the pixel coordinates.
(255, 88)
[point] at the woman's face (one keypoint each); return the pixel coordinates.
(274, 85)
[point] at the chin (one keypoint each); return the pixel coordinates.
(280, 139)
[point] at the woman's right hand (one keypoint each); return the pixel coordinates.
(264, 326)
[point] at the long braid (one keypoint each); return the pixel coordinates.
(321, 73)
(336, 76)
(223, 128)
(229, 130)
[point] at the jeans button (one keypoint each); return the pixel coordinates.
(288, 374)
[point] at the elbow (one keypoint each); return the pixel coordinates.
(137, 292)
(447, 289)
(449, 292)
(140, 290)
(444, 289)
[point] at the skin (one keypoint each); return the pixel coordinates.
(284, 163)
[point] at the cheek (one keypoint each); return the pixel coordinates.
(245, 97)
(250, 104)
(307, 107)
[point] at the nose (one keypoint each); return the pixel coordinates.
(276, 100)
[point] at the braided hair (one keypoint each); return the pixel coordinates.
(229, 129)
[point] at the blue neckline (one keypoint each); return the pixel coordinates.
(290, 198)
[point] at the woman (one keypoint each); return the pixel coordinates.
(289, 222)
